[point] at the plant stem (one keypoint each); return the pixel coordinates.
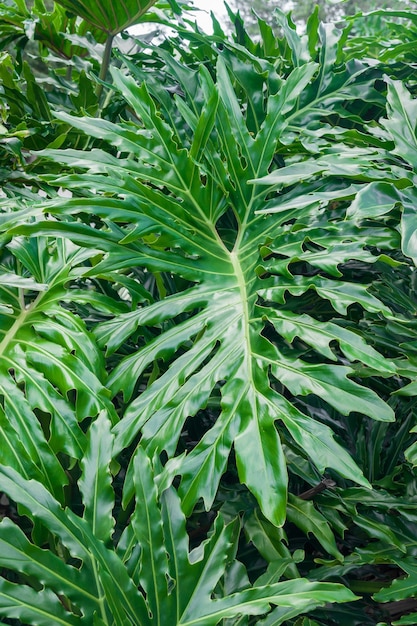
(105, 62)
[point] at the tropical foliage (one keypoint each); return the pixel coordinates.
(208, 337)
(329, 10)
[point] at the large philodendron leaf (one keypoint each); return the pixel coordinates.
(401, 123)
(106, 15)
(186, 196)
(51, 371)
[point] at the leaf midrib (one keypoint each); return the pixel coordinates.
(241, 283)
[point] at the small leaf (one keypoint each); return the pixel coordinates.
(39, 504)
(300, 595)
(41, 608)
(304, 515)
(19, 555)
(408, 226)
(401, 588)
(380, 531)
(147, 524)
(411, 454)
(374, 200)
(95, 482)
(8, 278)
(402, 121)
(406, 620)
(24, 428)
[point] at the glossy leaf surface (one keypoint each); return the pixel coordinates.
(207, 301)
(188, 206)
(109, 16)
(177, 582)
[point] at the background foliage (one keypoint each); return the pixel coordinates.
(208, 337)
(329, 10)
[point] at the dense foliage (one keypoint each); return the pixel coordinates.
(208, 344)
(329, 10)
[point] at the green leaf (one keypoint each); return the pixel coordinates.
(241, 210)
(408, 230)
(402, 121)
(19, 555)
(319, 440)
(95, 482)
(271, 543)
(213, 286)
(374, 200)
(299, 594)
(76, 535)
(411, 454)
(66, 433)
(19, 281)
(300, 52)
(406, 620)
(39, 504)
(104, 15)
(193, 576)
(13, 452)
(378, 530)
(304, 515)
(113, 575)
(49, 352)
(41, 608)
(147, 524)
(401, 587)
(24, 431)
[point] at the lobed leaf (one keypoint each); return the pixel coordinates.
(95, 482)
(242, 209)
(41, 608)
(401, 587)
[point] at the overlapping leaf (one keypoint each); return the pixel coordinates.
(46, 354)
(102, 570)
(178, 583)
(402, 587)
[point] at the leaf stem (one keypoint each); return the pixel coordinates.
(101, 596)
(18, 323)
(105, 63)
(326, 483)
